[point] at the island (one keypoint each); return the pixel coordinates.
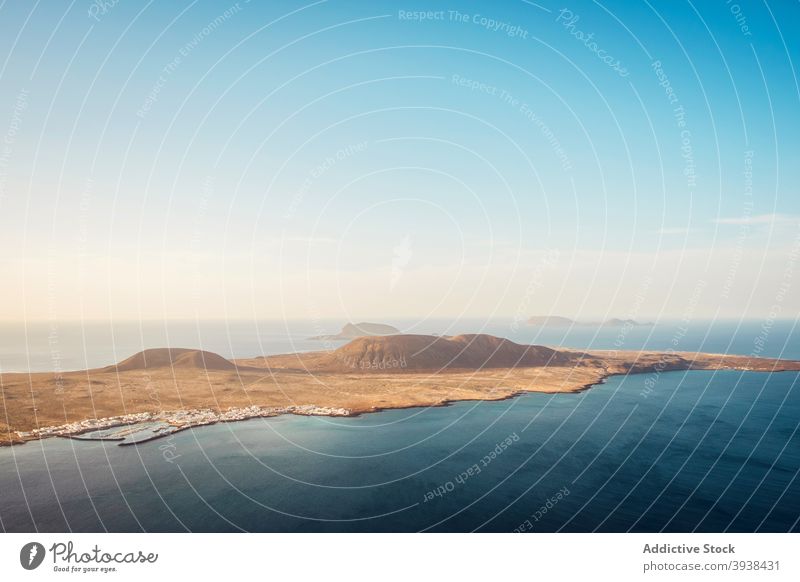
(158, 392)
(353, 330)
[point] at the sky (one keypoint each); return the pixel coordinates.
(344, 159)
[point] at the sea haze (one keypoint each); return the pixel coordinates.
(679, 451)
(43, 346)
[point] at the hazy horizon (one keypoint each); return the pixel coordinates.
(390, 319)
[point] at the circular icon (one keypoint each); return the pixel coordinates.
(31, 555)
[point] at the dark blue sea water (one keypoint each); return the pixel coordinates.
(701, 451)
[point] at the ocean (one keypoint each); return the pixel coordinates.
(676, 451)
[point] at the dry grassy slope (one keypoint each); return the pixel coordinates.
(172, 357)
(414, 353)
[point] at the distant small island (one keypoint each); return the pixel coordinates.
(559, 321)
(352, 331)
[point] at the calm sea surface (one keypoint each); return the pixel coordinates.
(704, 451)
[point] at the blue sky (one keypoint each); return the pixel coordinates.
(338, 159)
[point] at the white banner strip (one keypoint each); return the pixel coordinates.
(354, 557)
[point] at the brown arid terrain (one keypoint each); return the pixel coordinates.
(365, 375)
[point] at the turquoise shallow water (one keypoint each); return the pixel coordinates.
(702, 451)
